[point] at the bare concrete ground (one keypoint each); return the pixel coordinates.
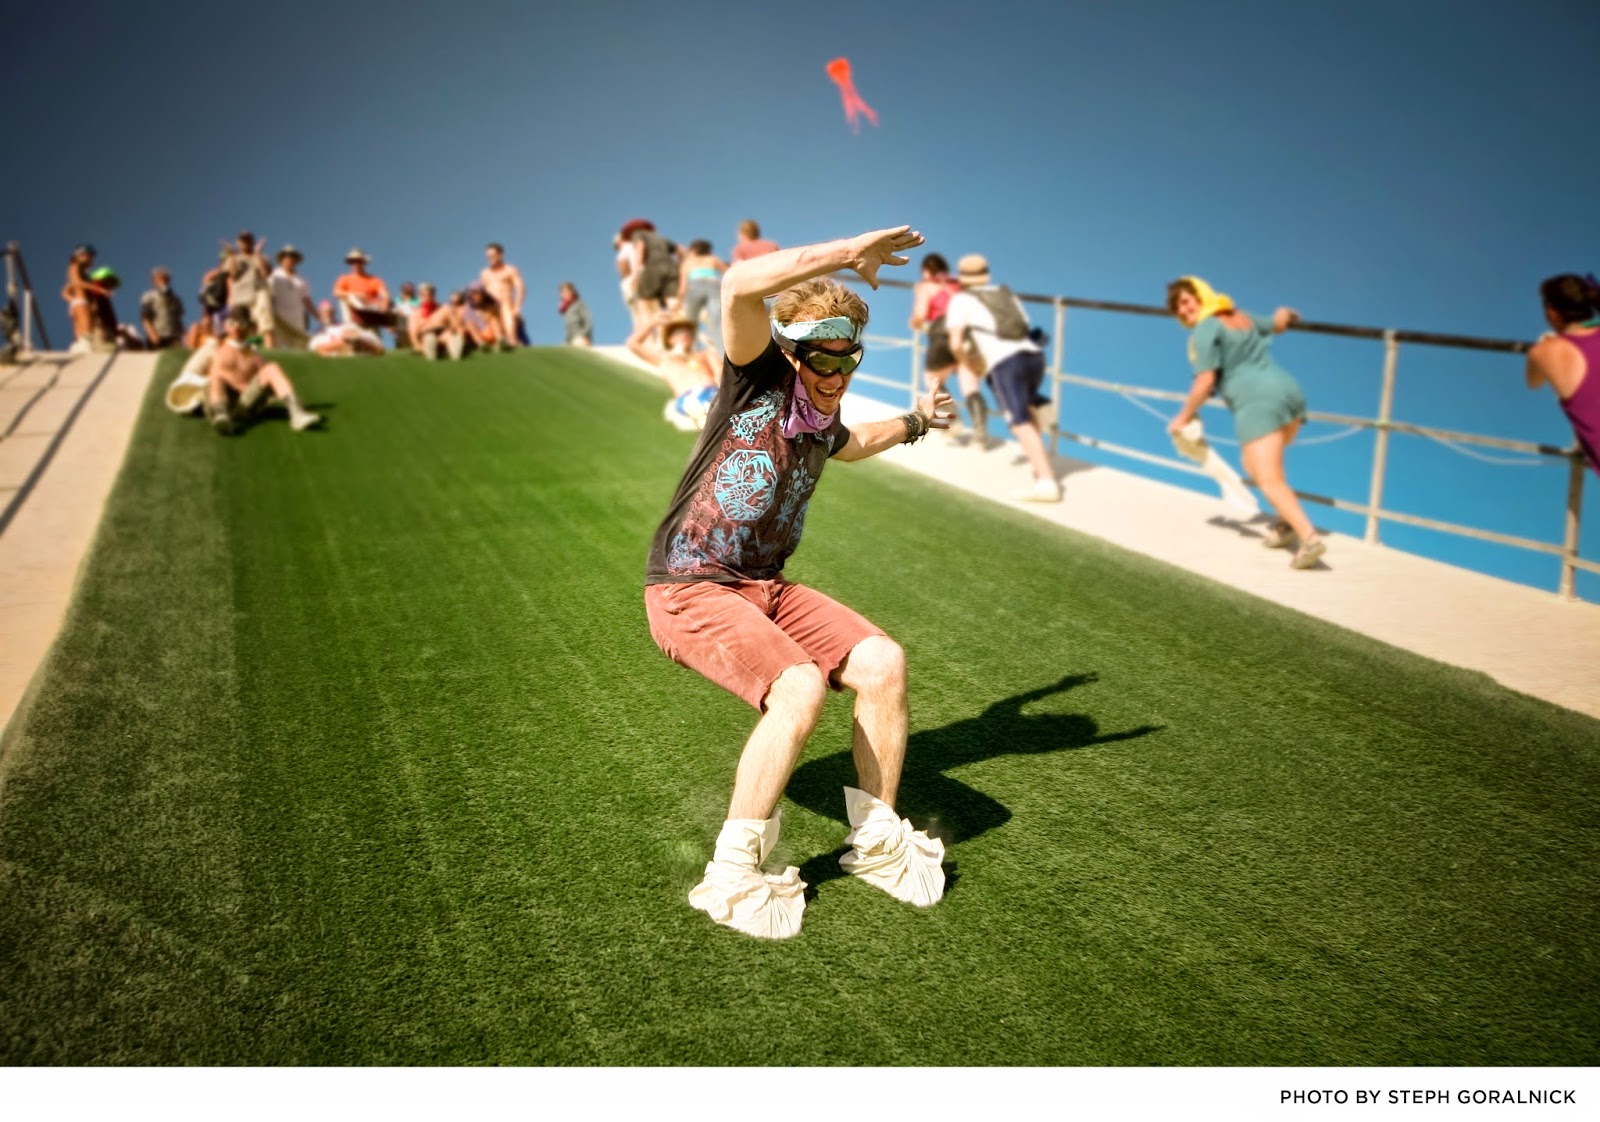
(65, 423)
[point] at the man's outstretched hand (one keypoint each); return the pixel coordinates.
(937, 407)
(880, 248)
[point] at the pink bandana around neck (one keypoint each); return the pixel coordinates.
(803, 414)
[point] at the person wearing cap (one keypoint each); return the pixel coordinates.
(688, 372)
(240, 383)
(247, 284)
(655, 279)
(365, 298)
(161, 312)
(718, 602)
(292, 308)
(990, 335)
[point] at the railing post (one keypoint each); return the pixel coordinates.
(916, 364)
(27, 321)
(1058, 348)
(1569, 545)
(1380, 448)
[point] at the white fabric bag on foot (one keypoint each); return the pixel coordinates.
(887, 852)
(1190, 440)
(737, 894)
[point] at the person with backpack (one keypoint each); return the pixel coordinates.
(991, 337)
(930, 298)
(214, 292)
(657, 262)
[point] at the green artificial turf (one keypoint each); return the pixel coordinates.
(356, 750)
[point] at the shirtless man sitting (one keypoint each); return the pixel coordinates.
(239, 382)
(503, 281)
(688, 372)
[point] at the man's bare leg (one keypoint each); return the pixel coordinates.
(884, 850)
(794, 702)
(876, 671)
(277, 381)
(735, 892)
(1032, 444)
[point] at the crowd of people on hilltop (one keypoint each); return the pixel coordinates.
(248, 301)
(278, 306)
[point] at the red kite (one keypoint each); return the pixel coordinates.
(839, 71)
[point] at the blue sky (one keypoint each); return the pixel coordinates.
(1418, 165)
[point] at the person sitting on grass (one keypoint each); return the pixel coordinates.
(240, 383)
(717, 600)
(434, 325)
(688, 372)
(365, 299)
(481, 319)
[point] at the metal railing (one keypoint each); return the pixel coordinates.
(17, 283)
(1383, 424)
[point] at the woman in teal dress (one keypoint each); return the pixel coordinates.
(1231, 353)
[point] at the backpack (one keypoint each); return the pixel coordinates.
(214, 291)
(660, 258)
(1010, 323)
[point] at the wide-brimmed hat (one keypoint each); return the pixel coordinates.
(355, 254)
(973, 269)
(678, 323)
(290, 251)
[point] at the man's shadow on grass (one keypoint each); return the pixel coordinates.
(946, 807)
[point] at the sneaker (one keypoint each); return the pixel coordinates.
(430, 346)
(1308, 553)
(1280, 536)
(304, 419)
(221, 420)
(1042, 491)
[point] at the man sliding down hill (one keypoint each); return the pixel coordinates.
(717, 600)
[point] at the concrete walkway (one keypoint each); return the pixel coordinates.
(65, 422)
(1528, 640)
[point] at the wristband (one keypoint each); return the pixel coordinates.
(916, 426)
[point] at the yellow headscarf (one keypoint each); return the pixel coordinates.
(1212, 302)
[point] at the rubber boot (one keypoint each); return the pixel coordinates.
(978, 410)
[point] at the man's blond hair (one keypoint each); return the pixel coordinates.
(819, 298)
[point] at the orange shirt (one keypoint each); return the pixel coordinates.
(368, 289)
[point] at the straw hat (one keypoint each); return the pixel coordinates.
(356, 255)
(678, 323)
(290, 251)
(973, 269)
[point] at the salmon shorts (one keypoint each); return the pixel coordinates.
(743, 635)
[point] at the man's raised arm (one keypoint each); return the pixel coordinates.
(747, 284)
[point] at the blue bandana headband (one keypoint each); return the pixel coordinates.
(807, 330)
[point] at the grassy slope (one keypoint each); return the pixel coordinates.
(356, 750)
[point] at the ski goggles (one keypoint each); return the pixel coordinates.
(824, 362)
